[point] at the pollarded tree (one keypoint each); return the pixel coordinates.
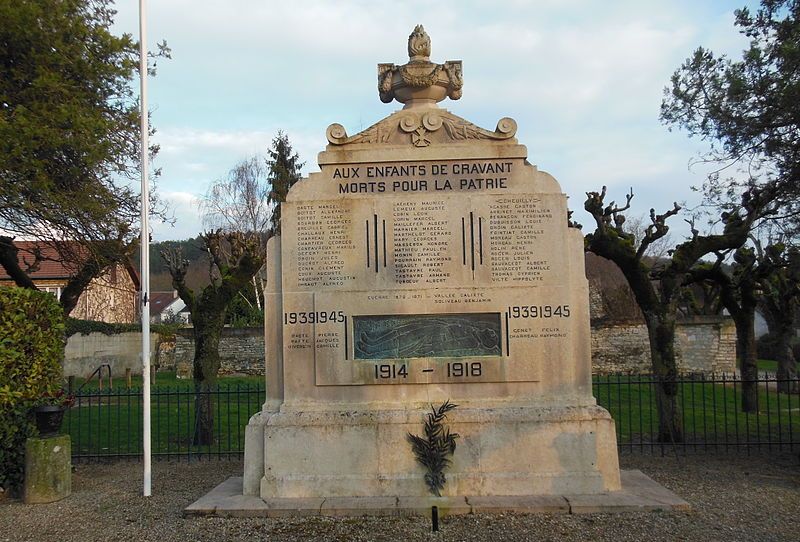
(236, 254)
(657, 289)
(747, 109)
(69, 142)
(766, 278)
(234, 258)
(739, 292)
(240, 203)
(779, 299)
(748, 112)
(235, 209)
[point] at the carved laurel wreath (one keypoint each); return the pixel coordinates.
(420, 81)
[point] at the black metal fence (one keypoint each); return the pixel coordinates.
(108, 423)
(711, 413)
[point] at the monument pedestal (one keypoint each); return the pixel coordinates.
(502, 450)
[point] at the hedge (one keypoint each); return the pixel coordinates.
(31, 355)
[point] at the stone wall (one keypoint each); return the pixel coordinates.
(241, 350)
(702, 344)
(84, 353)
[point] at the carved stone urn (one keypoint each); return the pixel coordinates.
(419, 85)
(420, 82)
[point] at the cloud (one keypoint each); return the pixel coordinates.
(184, 208)
(583, 78)
(182, 141)
(199, 156)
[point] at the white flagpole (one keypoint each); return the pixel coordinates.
(145, 255)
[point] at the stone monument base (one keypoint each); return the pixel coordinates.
(638, 493)
(507, 450)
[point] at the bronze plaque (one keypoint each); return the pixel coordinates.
(427, 336)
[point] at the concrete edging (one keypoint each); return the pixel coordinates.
(639, 493)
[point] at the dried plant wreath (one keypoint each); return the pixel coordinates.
(433, 451)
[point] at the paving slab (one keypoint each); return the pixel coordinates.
(639, 493)
(549, 504)
(360, 506)
(421, 506)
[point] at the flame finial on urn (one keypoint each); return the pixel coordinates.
(419, 44)
(420, 82)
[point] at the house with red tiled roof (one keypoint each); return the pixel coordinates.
(111, 297)
(167, 307)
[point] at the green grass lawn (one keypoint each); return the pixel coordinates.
(109, 422)
(767, 365)
(711, 412)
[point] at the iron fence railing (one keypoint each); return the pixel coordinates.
(108, 423)
(711, 412)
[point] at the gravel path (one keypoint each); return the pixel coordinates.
(734, 497)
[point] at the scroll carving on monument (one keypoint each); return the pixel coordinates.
(416, 128)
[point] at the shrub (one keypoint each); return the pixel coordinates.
(31, 354)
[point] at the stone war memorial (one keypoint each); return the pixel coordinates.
(428, 261)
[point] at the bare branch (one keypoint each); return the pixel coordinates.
(657, 229)
(694, 230)
(177, 267)
(603, 216)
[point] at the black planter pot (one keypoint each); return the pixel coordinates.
(48, 419)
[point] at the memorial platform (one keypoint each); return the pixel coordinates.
(639, 493)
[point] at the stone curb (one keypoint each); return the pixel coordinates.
(639, 493)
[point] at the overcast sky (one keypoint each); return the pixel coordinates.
(583, 79)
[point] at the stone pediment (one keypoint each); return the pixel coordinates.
(421, 127)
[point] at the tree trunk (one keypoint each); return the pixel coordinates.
(787, 364)
(10, 263)
(204, 415)
(208, 313)
(77, 284)
(780, 321)
(661, 333)
(208, 324)
(746, 353)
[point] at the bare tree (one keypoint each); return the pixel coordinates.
(779, 299)
(241, 210)
(657, 289)
(738, 292)
(240, 203)
(234, 258)
(656, 249)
